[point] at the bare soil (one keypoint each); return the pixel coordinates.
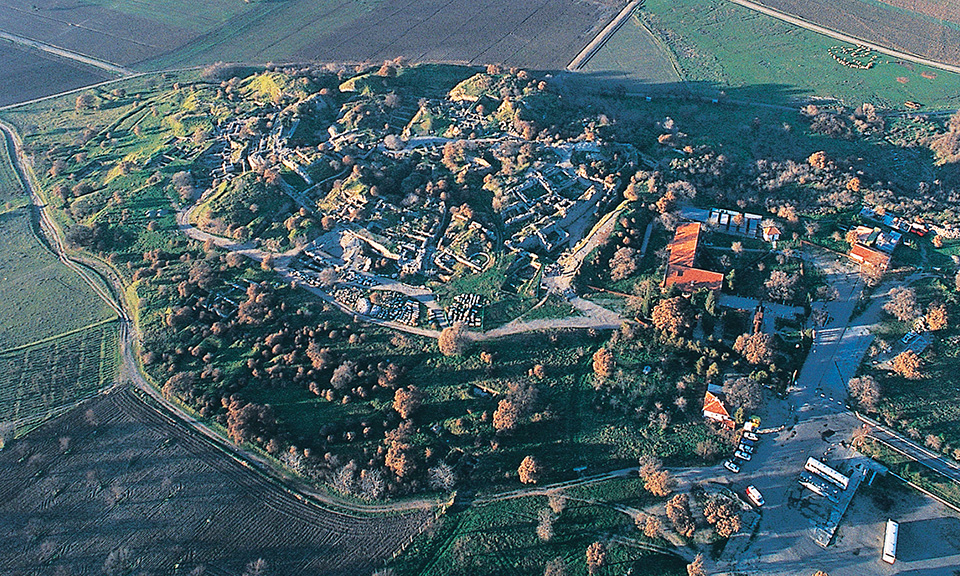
(115, 478)
(25, 74)
(542, 34)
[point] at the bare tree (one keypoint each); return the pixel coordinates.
(545, 517)
(441, 477)
(937, 318)
(453, 340)
(557, 501)
(623, 264)
(758, 349)
(596, 557)
(656, 480)
(678, 511)
(603, 363)
(672, 316)
(529, 471)
(865, 391)
(407, 400)
(902, 304)
(555, 567)
(744, 393)
(696, 567)
(256, 568)
(907, 364)
(781, 286)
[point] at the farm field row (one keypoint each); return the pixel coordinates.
(37, 380)
(912, 27)
(175, 34)
(96, 473)
(25, 75)
(721, 47)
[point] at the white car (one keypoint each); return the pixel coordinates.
(754, 496)
(742, 455)
(731, 466)
(751, 436)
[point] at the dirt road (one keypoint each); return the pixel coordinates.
(108, 285)
(844, 37)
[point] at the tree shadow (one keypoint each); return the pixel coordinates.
(928, 539)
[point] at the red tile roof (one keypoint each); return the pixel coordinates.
(863, 255)
(683, 251)
(683, 248)
(687, 278)
(713, 408)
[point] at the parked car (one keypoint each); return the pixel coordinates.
(732, 466)
(647, 369)
(754, 496)
(744, 448)
(742, 455)
(751, 436)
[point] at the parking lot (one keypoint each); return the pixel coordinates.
(813, 421)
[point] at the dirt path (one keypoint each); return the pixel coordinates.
(581, 59)
(844, 37)
(69, 55)
(98, 275)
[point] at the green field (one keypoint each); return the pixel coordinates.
(501, 537)
(57, 341)
(724, 48)
(37, 379)
(931, 405)
(634, 57)
(35, 289)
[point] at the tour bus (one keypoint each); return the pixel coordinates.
(890, 542)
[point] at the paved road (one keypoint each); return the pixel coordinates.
(816, 423)
(937, 462)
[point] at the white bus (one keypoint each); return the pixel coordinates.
(827, 473)
(890, 542)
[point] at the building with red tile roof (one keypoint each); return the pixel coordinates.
(680, 269)
(714, 408)
(869, 257)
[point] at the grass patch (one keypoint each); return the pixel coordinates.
(501, 538)
(36, 380)
(721, 46)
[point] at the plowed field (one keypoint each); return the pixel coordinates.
(114, 479)
(168, 33)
